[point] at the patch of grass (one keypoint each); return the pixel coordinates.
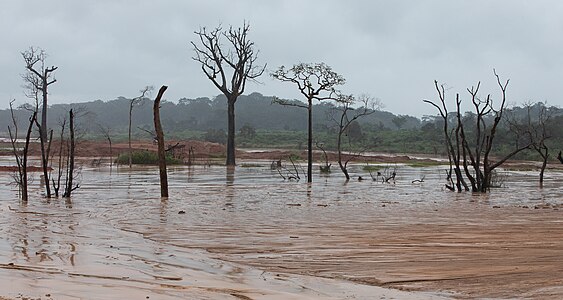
(424, 163)
(144, 157)
(248, 165)
(372, 168)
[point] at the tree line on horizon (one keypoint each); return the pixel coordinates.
(205, 119)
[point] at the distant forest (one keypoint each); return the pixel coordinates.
(202, 114)
(262, 123)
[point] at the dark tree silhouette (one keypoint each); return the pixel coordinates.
(160, 139)
(534, 130)
(477, 155)
(37, 80)
(21, 155)
(345, 116)
(315, 82)
(217, 61)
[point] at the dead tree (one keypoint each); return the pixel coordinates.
(534, 130)
(348, 115)
(216, 60)
(160, 138)
(291, 174)
(475, 157)
(326, 167)
(57, 183)
(69, 187)
(106, 132)
(45, 151)
(37, 80)
(21, 156)
(132, 104)
(39, 77)
(453, 155)
(315, 82)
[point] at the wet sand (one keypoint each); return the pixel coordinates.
(249, 235)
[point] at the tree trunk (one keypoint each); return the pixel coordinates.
(130, 151)
(43, 129)
(24, 159)
(231, 132)
(545, 156)
(69, 187)
(57, 185)
(160, 138)
(110, 154)
(44, 162)
(310, 142)
(339, 150)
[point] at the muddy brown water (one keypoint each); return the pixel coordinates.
(247, 234)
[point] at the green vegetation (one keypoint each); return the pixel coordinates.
(266, 125)
(372, 168)
(145, 157)
(425, 163)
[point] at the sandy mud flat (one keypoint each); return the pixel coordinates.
(247, 234)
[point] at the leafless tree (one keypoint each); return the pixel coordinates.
(326, 167)
(346, 114)
(69, 187)
(21, 156)
(228, 67)
(106, 132)
(160, 139)
(478, 168)
(57, 183)
(315, 82)
(534, 130)
(132, 104)
(38, 78)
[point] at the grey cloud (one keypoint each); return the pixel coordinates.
(390, 49)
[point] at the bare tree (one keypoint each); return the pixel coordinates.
(132, 104)
(315, 82)
(72, 147)
(347, 116)
(534, 130)
(326, 167)
(37, 80)
(476, 155)
(57, 183)
(216, 60)
(160, 139)
(106, 132)
(21, 156)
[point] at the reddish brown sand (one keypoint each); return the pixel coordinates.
(472, 251)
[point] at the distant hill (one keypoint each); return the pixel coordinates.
(202, 114)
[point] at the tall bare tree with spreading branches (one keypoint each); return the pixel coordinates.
(470, 153)
(345, 115)
(228, 68)
(38, 78)
(533, 128)
(315, 82)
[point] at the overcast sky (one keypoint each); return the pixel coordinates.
(392, 50)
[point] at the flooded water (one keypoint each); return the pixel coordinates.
(245, 233)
